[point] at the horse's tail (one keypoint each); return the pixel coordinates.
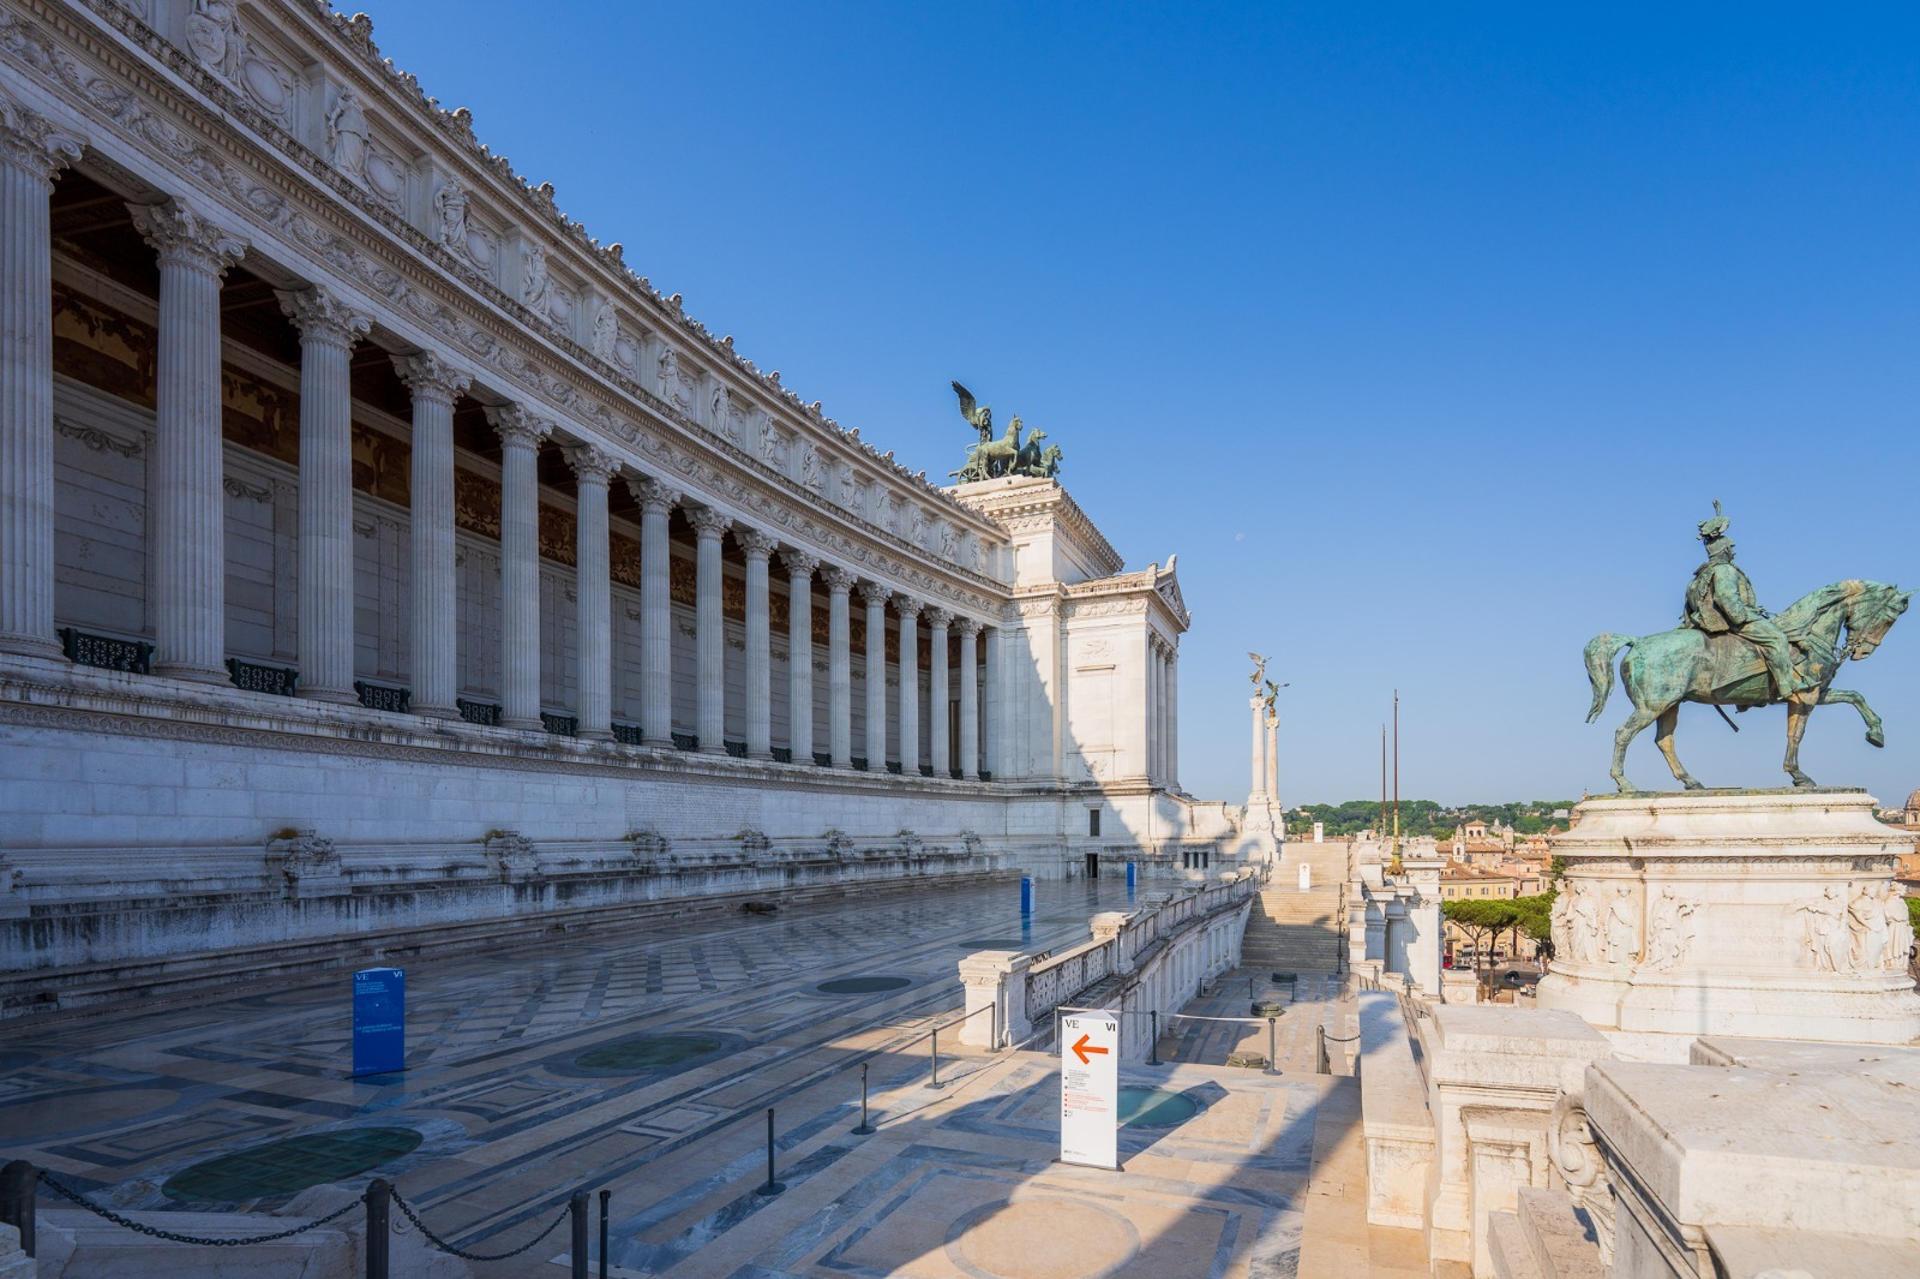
(1600, 652)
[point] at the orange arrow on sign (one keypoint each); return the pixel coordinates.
(1082, 1048)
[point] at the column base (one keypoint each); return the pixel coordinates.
(32, 646)
(761, 755)
(194, 674)
(524, 725)
(655, 742)
(339, 697)
(705, 749)
(596, 734)
(435, 712)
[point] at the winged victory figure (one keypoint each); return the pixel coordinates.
(979, 416)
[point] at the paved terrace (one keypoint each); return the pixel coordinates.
(644, 1064)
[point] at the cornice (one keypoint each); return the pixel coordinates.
(423, 286)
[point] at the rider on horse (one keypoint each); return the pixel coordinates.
(1720, 600)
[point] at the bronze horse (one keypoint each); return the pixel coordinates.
(1687, 665)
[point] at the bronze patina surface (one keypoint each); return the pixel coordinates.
(1729, 651)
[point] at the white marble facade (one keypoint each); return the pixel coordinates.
(302, 380)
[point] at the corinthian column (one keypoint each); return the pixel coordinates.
(434, 672)
(839, 668)
(190, 568)
(800, 567)
(1174, 719)
(1154, 722)
(969, 698)
(909, 610)
(757, 546)
(593, 467)
(876, 597)
(328, 330)
(32, 150)
(710, 648)
(656, 611)
(996, 702)
(937, 752)
(520, 436)
(1259, 786)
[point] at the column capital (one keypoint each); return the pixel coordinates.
(322, 317)
(180, 235)
(30, 141)
(937, 616)
(591, 462)
(967, 627)
(905, 605)
(429, 377)
(875, 594)
(708, 522)
(652, 494)
(754, 544)
(838, 580)
(515, 425)
(799, 563)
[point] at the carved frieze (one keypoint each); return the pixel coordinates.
(103, 347)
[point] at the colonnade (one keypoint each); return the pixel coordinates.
(193, 255)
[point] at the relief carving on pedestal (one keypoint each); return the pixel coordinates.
(1622, 927)
(1671, 929)
(1825, 941)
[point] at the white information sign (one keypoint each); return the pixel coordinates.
(1090, 1089)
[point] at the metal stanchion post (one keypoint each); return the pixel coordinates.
(935, 1081)
(1322, 1065)
(772, 1187)
(379, 1201)
(1153, 1049)
(865, 1129)
(19, 1186)
(605, 1195)
(1273, 1040)
(577, 1246)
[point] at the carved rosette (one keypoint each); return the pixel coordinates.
(652, 494)
(323, 318)
(32, 143)
(183, 237)
(431, 378)
(755, 843)
(839, 845)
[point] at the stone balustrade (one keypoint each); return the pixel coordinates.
(1155, 958)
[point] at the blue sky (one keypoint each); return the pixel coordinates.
(1424, 334)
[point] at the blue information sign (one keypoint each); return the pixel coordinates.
(379, 1020)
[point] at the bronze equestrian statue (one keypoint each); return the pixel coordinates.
(1729, 651)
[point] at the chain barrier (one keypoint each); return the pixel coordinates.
(444, 1246)
(54, 1184)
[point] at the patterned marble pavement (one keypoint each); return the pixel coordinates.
(524, 1086)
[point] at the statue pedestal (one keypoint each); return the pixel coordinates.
(1756, 913)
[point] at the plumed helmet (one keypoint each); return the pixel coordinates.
(1716, 528)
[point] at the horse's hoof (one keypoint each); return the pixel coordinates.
(1691, 784)
(1802, 780)
(1876, 738)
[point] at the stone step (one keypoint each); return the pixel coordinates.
(1548, 1233)
(1508, 1249)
